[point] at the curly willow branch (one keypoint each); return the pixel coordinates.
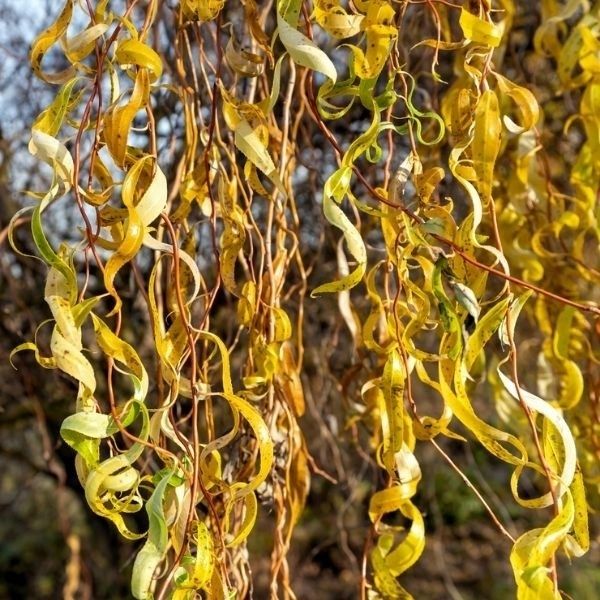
(193, 143)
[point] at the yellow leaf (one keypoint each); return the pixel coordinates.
(119, 119)
(303, 51)
(486, 142)
(46, 40)
(248, 142)
(479, 31)
(134, 52)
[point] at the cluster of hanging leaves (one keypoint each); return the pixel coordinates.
(454, 152)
